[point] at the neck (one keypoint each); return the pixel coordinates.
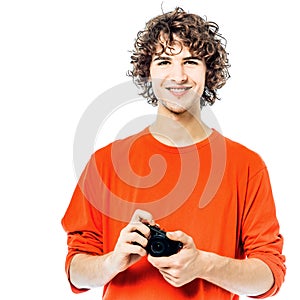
(179, 130)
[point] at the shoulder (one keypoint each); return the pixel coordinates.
(120, 146)
(240, 155)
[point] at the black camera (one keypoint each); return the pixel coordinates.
(159, 244)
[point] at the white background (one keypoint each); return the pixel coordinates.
(56, 57)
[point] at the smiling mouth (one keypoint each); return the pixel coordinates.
(178, 91)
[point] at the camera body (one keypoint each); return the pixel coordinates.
(159, 244)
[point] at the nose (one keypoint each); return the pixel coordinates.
(178, 73)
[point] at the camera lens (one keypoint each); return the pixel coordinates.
(157, 248)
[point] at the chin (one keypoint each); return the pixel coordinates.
(175, 108)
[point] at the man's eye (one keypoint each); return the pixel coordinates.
(191, 62)
(163, 62)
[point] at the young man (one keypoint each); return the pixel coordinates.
(211, 194)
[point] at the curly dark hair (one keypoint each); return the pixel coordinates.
(200, 36)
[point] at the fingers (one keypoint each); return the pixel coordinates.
(137, 227)
(137, 232)
(178, 269)
(142, 216)
(134, 237)
(130, 249)
(176, 260)
(174, 281)
(137, 239)
(180, 236)
(163, 263)
(169, 267)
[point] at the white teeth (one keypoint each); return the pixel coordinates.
(177, 90)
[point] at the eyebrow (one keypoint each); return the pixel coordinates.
(192, 57)
(162, 58)
(169, 58)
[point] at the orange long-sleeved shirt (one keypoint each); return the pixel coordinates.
(217, 191)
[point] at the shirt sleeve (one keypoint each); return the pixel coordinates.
(260, 229)
(82, 222)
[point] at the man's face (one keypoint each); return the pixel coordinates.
(178, 80)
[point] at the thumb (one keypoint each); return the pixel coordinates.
(177, 236)
(142, 216)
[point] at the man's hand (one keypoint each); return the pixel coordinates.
(130, 245)
(235, 275)
(180, 268)
(87, 271)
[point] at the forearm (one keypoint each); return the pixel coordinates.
(88, 271)
(249, 277)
